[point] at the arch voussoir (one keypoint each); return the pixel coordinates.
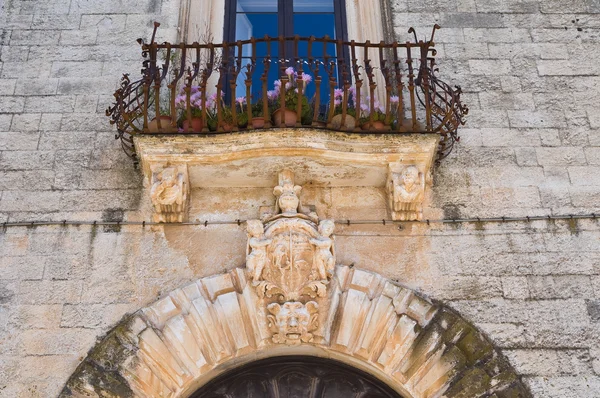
(418, 347)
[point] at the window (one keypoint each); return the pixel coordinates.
(256, 18)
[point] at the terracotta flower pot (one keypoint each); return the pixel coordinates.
(227, 127)
(196, 127)
(284, 117)
(377, 125)
(258, 122)
(165, 125)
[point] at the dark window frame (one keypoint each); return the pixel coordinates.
(285, 19)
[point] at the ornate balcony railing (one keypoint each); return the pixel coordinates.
(324, 83)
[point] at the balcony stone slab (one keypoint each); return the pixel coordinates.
(399, 163)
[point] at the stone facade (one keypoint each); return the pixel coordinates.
(531, 147)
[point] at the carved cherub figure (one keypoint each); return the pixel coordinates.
(292, 322)
(408, 189)
(168, 187)
(168, 194)
(256, 252)
(324, 256)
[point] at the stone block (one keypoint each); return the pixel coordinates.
(7, 86)
(510, 137)
(86, 104)
(26, 180)
(26, 122)
(499, 100)
(555, 197)
(66, 267)
(594, 118)
(78, 37)
(36, 316)
(561, 156)
(585, 67)
(471, 20)
(560, 286)
(584, 175)
(22, 267)
(57, 342)
(14, 53)
(586, 197)
(505, 334)
(489, 67)
(107, 7)
(26, 160)
(50, 122)
(515, 287)
(34, 37)
(87, 85)
(12, 104)
(104, 22)
(539, 119)
(36, 87)
(66, 140)
(535, 50)
(50, 292)
(87, 122)
(79, 69)
(510, 6)
(526, 157)
(55, 21)
(564, 386)
(87, 316)
(52, 104)
(499, 35)
(549, 362)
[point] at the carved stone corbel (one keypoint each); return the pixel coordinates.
(169, 192)
(406, 192)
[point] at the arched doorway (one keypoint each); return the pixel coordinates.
(295, 377)
(202, 331)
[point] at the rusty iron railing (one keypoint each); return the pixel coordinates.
(358, 88)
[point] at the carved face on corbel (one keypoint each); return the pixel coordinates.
(292, 322)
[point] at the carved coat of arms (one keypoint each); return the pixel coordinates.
(290, 259)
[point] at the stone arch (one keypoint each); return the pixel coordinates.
(415, 346)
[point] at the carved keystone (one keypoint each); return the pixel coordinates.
(169, 192)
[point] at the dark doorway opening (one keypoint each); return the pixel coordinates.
(295, 377)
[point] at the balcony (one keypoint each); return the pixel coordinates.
(324, 83)
(235, 114)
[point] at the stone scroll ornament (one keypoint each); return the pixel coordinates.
(406, 190)
(169, 192)
(290, 259)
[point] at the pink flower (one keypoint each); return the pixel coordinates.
(272, 94)
(240, 100)
(337, 102)
(180, 101)
(394, 99)
(290, 71)
(364, 107)
(288, 85)
(338, 93)
(306, 78)
(277, 83)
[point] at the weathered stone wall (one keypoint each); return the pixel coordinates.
(530, 73)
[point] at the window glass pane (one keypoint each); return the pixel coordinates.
(313, 5)
(256, 5)
(255, 25)
(317, 25)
